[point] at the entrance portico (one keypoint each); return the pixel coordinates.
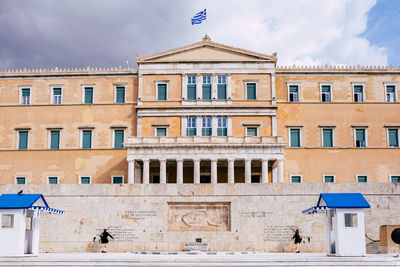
(239, 159)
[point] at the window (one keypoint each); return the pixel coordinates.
(84, 180)
(221, 87)
(120, 94)
(56, 96)
(88, 95)
(117, 179)
(23, 140)
(20, 180)
(360, 138)
(329, 178)
(54, 139)
(294, 137)
(358, 91)
(206, 88)
(25, 96)
(155, 179)
(393, 137)
(327, 137)
(118, 139)
(86, 139)
(162, 91)
(222, 129)
(53, 180)
(390, 93)
(395, 178)
(251, 92)
(7, 221)
(191, 126)
(191, 88)
(295, 179)
(206, 129)
(293, 93)
(205, 179)
(362, 178)
(161, 131)
(350, 220)
(255, 179)
(251, 131)
(326, 93)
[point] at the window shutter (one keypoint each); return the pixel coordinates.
(393, 138)
(23, 140)
(162, 91)
(360, 134)
(207, 91)
(251, 91)
(118, 138)
(191, 92)
(221, 91)
(55, 140)
(88, 95)
(358, 89)
(86, 139)
(26, 92)
(120, 95)
(328, 140)
(161, 131)
(56, 91)
(295, 137)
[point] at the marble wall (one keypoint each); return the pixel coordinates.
(229, 217)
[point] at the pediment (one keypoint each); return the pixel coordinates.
(206, 51)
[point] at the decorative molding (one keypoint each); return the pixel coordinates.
(336, 69)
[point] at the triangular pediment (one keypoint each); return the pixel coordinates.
(206, 51)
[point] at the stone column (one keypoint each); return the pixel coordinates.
(139, 126)
(229, 125)
(196, 171)
(199, 88)
(146, 171)
(183, 126)
(214, 87)
(247, 171)
(179, 171)
(131, 171)
(228, 87)
(184, 84)
(264, 171)
(140, 83)
(214, 177)
(280, 170)
(163, 171)
(273, 122)
(198, 125)
(214, 125)
(231, 171)
(274, 172)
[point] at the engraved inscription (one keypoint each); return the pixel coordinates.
(139, 214)
(121, 234)
(212, 216)
(279, 233)
(255, 214)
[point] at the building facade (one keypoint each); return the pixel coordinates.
(203, 113)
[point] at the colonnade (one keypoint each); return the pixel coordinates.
(277, 171)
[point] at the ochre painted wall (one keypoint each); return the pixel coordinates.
(263, 88)
(174, 87)
(239, 129)
(150, 123)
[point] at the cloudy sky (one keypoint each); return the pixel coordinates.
(80, 33)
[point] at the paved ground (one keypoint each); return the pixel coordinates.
(198, 259)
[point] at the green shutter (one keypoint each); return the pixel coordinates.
(88, 95)
(85, 180)
(251, 91)
(327, 136)
(221, 91)
(53, 180)
(360, 134)
(56, 91)
(362, 179)
(118, 138)
(329, 179)
(55, 140)
(358, 89)
(206, 91)
(395, 179)
(26, 92)
(23, 140)
(120, 98)
(86, 139)
(21, 180)
(161, 91)
(251, 131)
(206, 131)
(326, 88)
(191, 92)
(191, 131)
(161, 131)
(390, 89)
(393, 138)
(118, 180)
(295, 137)
(296, 179)
(222, 132)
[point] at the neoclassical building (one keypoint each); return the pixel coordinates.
(202, 113)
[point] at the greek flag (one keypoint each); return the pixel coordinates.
(199, 17)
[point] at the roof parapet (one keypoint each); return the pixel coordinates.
(337, 68)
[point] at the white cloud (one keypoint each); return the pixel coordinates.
(303, 32)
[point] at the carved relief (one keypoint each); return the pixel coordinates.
(200, 216)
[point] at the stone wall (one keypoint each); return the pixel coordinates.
(229, 217)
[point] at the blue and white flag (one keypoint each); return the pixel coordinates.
(199, 17)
